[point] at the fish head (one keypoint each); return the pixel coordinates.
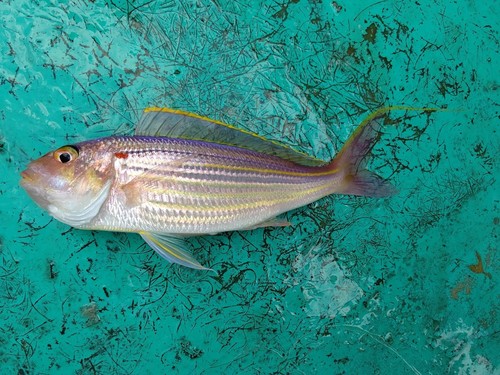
(72, 182)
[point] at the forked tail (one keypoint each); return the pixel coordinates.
(351, 160)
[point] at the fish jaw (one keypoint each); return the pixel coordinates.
(30, 182)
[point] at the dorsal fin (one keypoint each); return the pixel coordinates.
(166, 122)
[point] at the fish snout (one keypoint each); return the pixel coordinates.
(28, 176)
(25, 175)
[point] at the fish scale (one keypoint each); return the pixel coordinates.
(219, 197)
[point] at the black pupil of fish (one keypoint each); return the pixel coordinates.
(65, 157)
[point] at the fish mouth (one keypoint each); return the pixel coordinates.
(29, 179)
(30, 182)
(26, 176)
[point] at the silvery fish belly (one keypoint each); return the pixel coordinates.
(183, 174)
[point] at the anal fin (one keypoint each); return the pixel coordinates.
(274, 222)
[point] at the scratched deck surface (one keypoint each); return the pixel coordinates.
(404, 285)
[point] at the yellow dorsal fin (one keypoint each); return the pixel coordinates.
(166, 122)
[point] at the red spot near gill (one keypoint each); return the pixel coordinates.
(121, 155)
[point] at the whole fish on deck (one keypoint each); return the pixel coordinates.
(183, 174)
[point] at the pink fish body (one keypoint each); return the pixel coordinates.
(199, 177)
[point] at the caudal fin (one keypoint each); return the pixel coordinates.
(351, 161)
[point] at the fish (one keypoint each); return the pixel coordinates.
(182, 175)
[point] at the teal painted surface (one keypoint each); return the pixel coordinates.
(401, 285)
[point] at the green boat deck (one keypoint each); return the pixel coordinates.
(401, 285)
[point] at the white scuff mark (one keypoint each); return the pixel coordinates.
(53, 124)
(381, 341)
(61, 92)
(461, 339)
(366, 319)
(130, 282)
(43, 109)
(28, 112)
(328, 291)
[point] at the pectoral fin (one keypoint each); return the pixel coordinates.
(133, 193)
(134, 189)
(170, 248)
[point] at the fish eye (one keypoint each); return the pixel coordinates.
(66, 154)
